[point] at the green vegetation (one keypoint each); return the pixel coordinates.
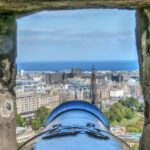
(86, 100)
(19, 144)
(136, 126)
(141, 107)
(63, 101)
(136, 147)
(36, 122)
(127, 113)
(40, 117)
(117, 112)
(20, 121)
(131, 103)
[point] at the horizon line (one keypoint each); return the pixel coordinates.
(74, 61)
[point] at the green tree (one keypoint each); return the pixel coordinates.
(131, 103)
(116, 112)
(20, 121)
(35, 124)
(40, 117)
(141, 107)
(128, 113)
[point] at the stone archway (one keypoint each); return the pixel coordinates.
(11, 9)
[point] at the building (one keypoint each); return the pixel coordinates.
(30, 102)
(75, 72)
(126, 90)
(52, 78)
(116, 93)
(24, 134)
(117, 78)
(118, 130)
(135, 89)
(104, 91)
(71, 95)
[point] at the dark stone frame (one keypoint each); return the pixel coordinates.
(12, 9)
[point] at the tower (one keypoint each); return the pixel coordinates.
(76, 95)
(100, 100)
(93, 89)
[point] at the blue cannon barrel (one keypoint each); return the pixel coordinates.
(76, 125)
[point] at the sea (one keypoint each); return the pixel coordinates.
(83, 65)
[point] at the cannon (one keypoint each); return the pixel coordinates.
(76, 125)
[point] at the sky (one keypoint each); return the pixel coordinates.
(77, 35)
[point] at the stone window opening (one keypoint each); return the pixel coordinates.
(8, 54)
(39, 35)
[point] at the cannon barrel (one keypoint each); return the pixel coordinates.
(76, 125)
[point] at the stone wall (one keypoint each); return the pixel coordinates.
(26, 6)
(143, 43)
(9, 9)
(7, 81)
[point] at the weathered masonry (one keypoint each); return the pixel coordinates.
(11, 9)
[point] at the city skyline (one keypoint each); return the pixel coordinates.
(77, 35)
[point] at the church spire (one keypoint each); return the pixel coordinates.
(93, 90)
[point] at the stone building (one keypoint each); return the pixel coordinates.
(71, 95)
(103, 92)
(126, 90)
(135, 89)
(30, 102)
(116, 93)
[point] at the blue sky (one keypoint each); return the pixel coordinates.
(77, 35)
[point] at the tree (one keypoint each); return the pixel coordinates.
(35, 124)
(20, 121)
(40, 117)
(116, 112)
(131, 103)
(141, 107)
(128, 113)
